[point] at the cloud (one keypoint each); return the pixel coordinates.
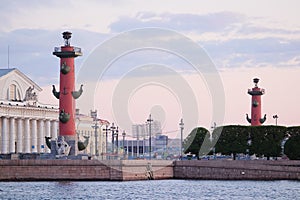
(261, 52)
(231, 39)
(181, 22)
(31, 50)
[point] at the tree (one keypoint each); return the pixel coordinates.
(266, 140)
(291, 147)
(232, 140)
(293, 130)
(193, 142)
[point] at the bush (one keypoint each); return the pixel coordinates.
(292, 147)
(194, 141)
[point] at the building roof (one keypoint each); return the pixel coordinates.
(3, 72)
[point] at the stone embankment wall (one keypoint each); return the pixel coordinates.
(56, 170)
(125, 170)
(237, 170)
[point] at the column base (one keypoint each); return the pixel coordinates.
(64, 146)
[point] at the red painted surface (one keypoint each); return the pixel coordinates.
(256, 110)
(66, 101)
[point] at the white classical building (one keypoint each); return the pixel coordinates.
(25, 121)
(86, 125)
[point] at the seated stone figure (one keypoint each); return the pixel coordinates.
(30, 95)
(62, 147)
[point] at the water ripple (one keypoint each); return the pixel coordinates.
(158, 189)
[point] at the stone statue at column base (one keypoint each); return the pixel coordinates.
(74, 144)
(62, 147)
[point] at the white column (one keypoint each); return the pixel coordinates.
(137, 147)
(127, 147)
(33, 136)
(4, 142)
(54, 129)
(27, 147)
(47, 133)
(40, 136)
(12, 135)
(19, 135)
(132, 148)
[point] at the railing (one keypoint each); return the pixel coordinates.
(57, 49)
(75, 49)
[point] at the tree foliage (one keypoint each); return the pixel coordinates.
(232, 139)
(266, 140)
(292, 145)
(293, 130)
(194, 140)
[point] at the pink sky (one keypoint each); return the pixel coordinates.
(282, 98)
(243, 40)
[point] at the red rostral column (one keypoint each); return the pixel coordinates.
(67, 93)
(256, 93)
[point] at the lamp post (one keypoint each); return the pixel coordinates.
(94, 116)
(124, 134)
(106, 129)
(275, 117)
(117, 140)
(181, 125)
(112, 128)
(149, 120)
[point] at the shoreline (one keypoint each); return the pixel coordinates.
(131, 170)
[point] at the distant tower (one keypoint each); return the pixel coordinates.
(256, 93)
(67, 96)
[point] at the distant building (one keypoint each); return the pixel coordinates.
(140, 148)
(141, 131)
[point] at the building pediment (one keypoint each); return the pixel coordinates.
(16, 86)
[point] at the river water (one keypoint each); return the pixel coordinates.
(157, 189)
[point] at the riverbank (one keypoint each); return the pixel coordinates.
(125, 170)
(237, 169)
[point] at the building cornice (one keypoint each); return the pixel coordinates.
(24, 111)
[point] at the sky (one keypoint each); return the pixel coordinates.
(145, 57)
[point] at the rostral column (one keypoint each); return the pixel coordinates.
(256, 94)
(67, 93)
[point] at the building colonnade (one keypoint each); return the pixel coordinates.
(26, 135)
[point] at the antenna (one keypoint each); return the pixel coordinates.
(8, 57)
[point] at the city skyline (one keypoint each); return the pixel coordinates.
(243, 41)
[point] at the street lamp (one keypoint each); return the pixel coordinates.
(117, 140)
(94, 116)
(149, 120)
(106, 130)
(275, 117)
(181, 125)
(124, 134)
(113, 128)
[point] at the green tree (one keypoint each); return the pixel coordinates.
(266, 140)
(193, 142)
(292, 145)
(232, 140)
(293, 130)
